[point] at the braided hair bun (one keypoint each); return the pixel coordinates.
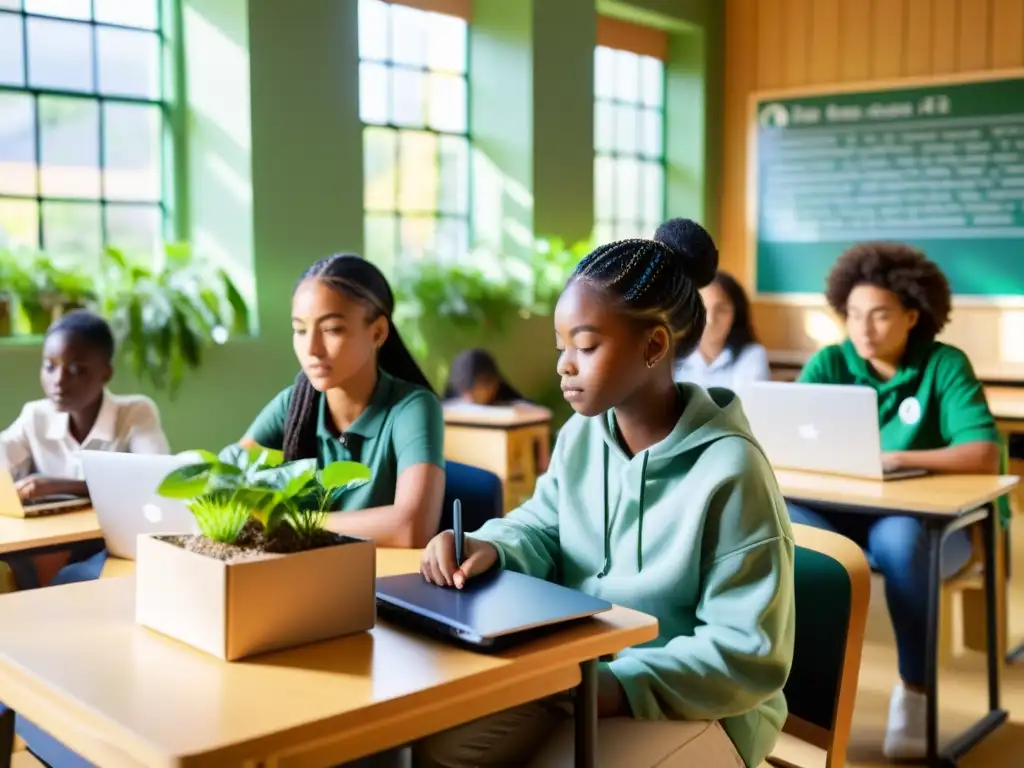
(691, 242)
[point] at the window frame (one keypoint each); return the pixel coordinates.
(456, 9)
(168, 104)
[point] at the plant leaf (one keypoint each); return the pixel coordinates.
(344, 474)
(279, 477)
(186, 482)
(297, 484)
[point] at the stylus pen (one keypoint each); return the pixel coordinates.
(457, 522)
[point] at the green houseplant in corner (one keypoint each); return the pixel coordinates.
(263, 573)
(166, 314)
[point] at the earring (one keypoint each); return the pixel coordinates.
(650, 363)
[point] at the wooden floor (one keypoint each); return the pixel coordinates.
(962, 688)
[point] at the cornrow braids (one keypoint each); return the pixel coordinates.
(658, 279)
(300, 441)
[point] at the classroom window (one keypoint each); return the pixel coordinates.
(629, 144)
(82, 121)
(414, 106)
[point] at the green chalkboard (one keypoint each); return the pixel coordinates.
(940, 167)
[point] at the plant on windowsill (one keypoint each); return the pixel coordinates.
(263, 573)
(38, 290)
(9, 276)
(167, 313)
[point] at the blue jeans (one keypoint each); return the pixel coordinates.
(85, 564)
(897, 547)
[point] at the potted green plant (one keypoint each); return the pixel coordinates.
(166, 314)
(10, 277)
(263, 573)
(39, 290)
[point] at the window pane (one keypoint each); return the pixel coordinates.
(59, 55)
(129, 13)
(603, 233)
(373, 93)
(604, 127)
(652, 85)
(129, 62)
(380, 147)
(604, 72)
(651, 138)
(19, 223)
(446, 43)
(627, 190)
(652, 192)
(625, 230)
(132, 151)
(627, 76)
(72, 228)
(454, 162)
(417, 181)
(70, 137)
(17, 145)
(604, 188)
(14, 5)
(373, 29)
(12, 51)
(381, 235)
(417, 236)
(69, 9)
(408, 36)
(626, 129)
(408, 95)
(451, 239)
(448, 103)
(135, 229)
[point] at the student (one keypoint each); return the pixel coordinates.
(360, 397)
(475, 378)
(933, 416)
(658, 498)
(41, 447)
(728, 354)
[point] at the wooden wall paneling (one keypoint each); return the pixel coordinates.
(888, 38)
(823, 55)
(1007, 34)
(944, 36)
(798, 17)
(771, 44)
(855, 39)
(917, 40)
(974, 35)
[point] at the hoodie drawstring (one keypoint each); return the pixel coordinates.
(639, 522)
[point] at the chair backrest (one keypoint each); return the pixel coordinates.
(833, 588)
(479, 491)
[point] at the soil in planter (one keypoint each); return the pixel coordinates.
(253, 543)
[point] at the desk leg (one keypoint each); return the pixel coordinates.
(586, 716)
(6, 736)
(995, 716)
(931, 673)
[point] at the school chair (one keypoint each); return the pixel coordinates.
(833, 589)
(479, 491)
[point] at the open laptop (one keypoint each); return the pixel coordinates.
(11, 505)
(123, 489)
(828, 428)
(494, 610)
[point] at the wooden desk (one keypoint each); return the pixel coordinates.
(513, 443)
(937, 496)
(22, 534)
(1007, 405)
(121, 695)
(943, 503)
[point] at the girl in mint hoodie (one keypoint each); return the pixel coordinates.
(657, 498)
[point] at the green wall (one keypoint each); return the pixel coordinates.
(273, 168)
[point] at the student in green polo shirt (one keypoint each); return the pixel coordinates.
(360, 397)
(932, 415)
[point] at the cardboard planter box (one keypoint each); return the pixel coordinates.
(233, 610)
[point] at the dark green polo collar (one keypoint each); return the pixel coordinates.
(370, 421)
(914, 360)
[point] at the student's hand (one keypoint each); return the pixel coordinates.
(438, 564)
(38, 486)
(892, 461)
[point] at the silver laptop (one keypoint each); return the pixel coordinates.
(828, 428)
(123, 491)
(493, 611)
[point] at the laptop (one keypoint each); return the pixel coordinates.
(827, 428)
(124, 498)
(493, 611)
(12, 505)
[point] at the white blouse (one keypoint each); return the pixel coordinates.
(725, 370)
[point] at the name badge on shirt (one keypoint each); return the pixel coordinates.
(910, 411)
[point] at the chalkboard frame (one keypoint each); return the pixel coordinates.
(755, 98)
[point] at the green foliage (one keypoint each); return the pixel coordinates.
(260, 482)
(164, 315)
(38, 289)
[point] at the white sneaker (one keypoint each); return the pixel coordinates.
(906, 738)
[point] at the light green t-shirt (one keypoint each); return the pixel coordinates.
(403, 425)
(933, 401)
